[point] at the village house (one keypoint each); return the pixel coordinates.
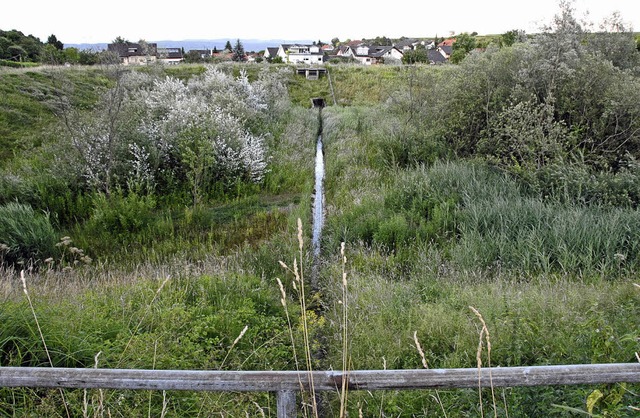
(170, 55)
(446, 47)
(372, 54)
(360, 52)
(413, 44)
(135, 53)
(143, 53)
(436, 57)
(270, 53)
(204, 54)
(301, 54)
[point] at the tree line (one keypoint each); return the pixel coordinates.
(17, 47)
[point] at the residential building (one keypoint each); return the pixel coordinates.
(301, 54)
(135, 53)
(170, 55)
(271, 52)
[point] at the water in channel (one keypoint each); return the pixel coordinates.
(318, 202)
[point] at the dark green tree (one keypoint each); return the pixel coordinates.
(52, 40)
(193, 57)
(464, 44)
(16, 53)
(238, 52)
(418, 55)
(228, 47)
(382, 40)
(88, 57)
(5, 43)
(51, 55)
(509, 38)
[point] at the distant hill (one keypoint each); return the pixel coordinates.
(189, 44)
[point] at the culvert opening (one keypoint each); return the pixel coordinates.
(318, 102)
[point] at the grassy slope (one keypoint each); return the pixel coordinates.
(25, 98)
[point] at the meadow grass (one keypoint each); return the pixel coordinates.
(470, 236)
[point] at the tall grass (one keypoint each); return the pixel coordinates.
(532, 237)
(26, 237)
(426, 241)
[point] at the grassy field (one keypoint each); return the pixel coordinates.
(431, 238)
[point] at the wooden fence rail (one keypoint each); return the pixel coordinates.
(287, 383)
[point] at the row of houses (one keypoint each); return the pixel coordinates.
(145, 53)
(359, 51)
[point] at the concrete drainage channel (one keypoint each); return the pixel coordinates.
(318, 200)
(319, 353)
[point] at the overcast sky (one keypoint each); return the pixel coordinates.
(75, 21)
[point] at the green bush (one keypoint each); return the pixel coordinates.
(529, 236)
(392, 232)
(576, 183)
(15, 64)
(122, 213)
(26, 236)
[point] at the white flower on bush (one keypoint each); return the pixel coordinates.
(253, 157)
(191, 123)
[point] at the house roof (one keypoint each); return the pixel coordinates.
(448, 42)
(170, 53)
(130, 49)
(405, 42)
(288, 47)
(379, 51)
(447, 49)
(272, 51)
(435, 57)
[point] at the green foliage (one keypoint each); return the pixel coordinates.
(238, 52)
(13, 64)
(525, 136)
(464, 44)
(28, 103)
(26, 236)
(122, 213)
(415, 56)
(528, 236)
(509, 38)
(188, 322)
(16, 46)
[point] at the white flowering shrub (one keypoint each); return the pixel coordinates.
(202, 129)
(207, 133)
(273, 90)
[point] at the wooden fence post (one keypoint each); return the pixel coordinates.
(286, 403)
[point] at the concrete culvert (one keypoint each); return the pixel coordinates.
(318, 102)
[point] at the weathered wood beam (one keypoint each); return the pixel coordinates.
(275, 381)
